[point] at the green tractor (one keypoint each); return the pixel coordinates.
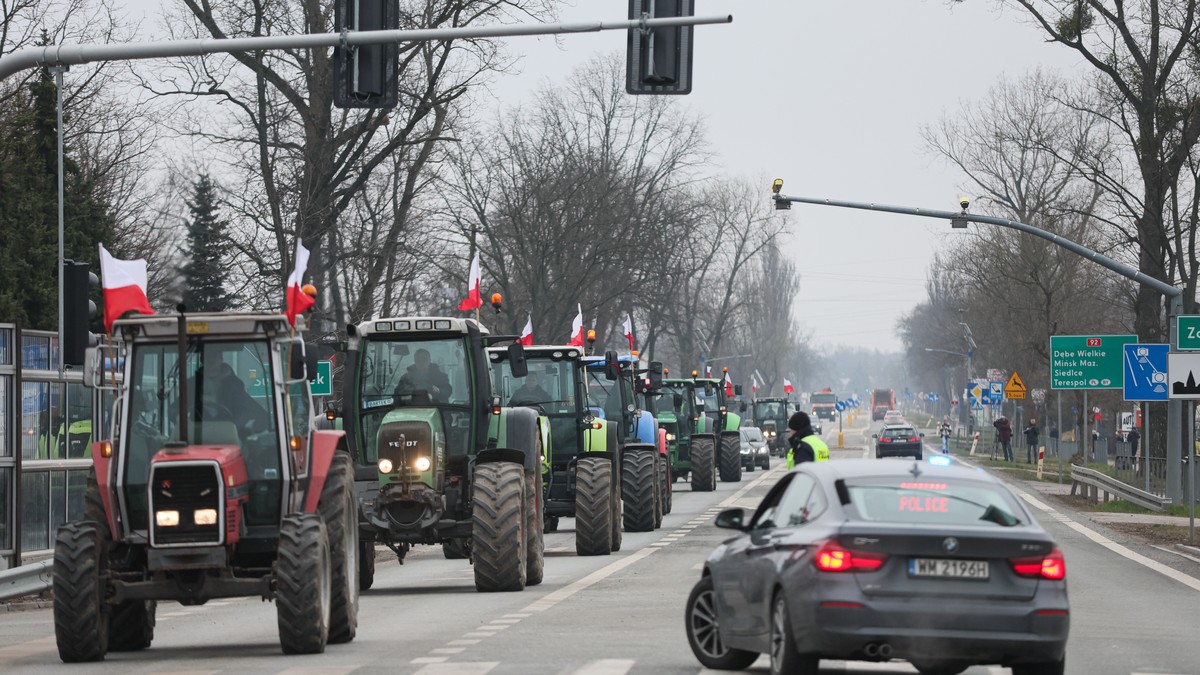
(582, 475)
(714, 443)
(677, 414)
(771, 416)
(440, 460)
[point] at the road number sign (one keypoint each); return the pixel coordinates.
(1087, 361)
(1188, 330)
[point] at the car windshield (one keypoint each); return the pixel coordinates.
(751, 434)
(931, 501)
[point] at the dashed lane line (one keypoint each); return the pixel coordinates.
(607, 667)
(467, 668)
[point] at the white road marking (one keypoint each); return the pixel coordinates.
(310, 670)
(746, 488)
(448, 650)
(1111, 545)
(477, 635)
(492, 627)
(1181, 554)
(607, 667)
(596, 577)
(463, 642)
(473, 668)
(430, 659)
(517, 616)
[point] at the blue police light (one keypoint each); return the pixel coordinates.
(940, 460)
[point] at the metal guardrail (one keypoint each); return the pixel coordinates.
(1095, 480)
(26, 580)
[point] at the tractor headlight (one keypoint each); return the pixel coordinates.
(670, 437)
(385, 466)
(422, 464)
(166, 518)
(205, 516)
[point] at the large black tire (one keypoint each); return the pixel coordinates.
(701, 622)
(785, 658)
(339, 508)
(80, 618)
(1055, 668)
(535, 545)
(704, 475)
(498, 537)
(731, 458)
(637, 488)
(456, 549)
(366, 564)
(303, 584)
(93, 505)
(593, 512)
(617, 519)
(659, 490)
(131, 625)
(668, 486)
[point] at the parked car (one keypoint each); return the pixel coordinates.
(755, 452)
(859, 560)
(893, 417)
(899, 440)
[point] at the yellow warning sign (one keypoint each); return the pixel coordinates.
(1015, 389)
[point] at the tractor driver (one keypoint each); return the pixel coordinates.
(424, 375)
(530, 391)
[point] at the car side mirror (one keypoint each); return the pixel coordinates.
(874, 435)
(922, 435)
(731, 519)
(656, 374)
(612, 369)
(517, 364)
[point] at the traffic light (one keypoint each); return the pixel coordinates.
(659, 60)
(78, 310)
(365, 76)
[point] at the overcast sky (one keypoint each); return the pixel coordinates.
(831, 97)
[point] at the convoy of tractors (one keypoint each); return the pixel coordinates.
(218, 478)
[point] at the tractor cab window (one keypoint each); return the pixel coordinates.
(549, 386)
(772, 410)
(230, 402)
(607, 395)
(410, 372)
(709, 395)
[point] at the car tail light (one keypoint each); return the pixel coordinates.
(915, 439)
(885, 440)
(832, 557)
(1051, 566)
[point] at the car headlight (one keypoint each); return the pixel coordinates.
(205, 516)
(423, 464)
(385, 466)
(166, 518)
(745, 451)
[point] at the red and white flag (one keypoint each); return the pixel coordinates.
(728, 385)
(577, 329)
(124, 283)
(753, 384)
(527, 332)
(787, 386)
(629, 330)
(297, 300)
(474, 296)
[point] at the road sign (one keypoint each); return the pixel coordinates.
(839, 406)
(1087, 361)
(976, 405)
(975, 391)
(1183, 376)
(1145, 372)
(935, 397)
(323, 384)
(995, 374)
(1015, 389)
(1189, 331)
(1038, 395)
(996, 392)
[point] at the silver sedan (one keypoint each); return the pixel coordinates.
(860, 560)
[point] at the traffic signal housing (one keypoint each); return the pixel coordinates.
(659, 60)
(365, 76)
(78, 311)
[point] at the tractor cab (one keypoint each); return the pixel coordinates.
(771, 416)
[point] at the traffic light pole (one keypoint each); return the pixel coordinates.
(51, 56)
(959, 219)
(58, 86)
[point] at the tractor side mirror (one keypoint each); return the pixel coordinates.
(656, 374)
(612, 369)
(737, 390)
(296, 362)
(517, 364)
(311, 356)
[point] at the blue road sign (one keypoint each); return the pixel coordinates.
(976, 405)
(996, 389)
(1145, 372)
(935, 397)
(839, 406)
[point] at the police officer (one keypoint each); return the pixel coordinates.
(806, 446)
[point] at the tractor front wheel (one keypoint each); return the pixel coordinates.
(80, 618)
(339, 508)
(366, 564)
(593, 492)
(498, 538)
(704, 478)
(535, 546)
(131, 625)
(731, 457)
(637, 489)
(303, 584)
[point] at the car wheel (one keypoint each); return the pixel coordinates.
(785, 658)
(703, 634)
(1041, 668)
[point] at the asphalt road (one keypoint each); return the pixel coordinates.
(609, 615)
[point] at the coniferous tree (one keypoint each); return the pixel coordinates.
(209, 250)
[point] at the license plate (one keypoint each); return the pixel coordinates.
(944, 568)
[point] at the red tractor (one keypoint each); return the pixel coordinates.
(211, 482)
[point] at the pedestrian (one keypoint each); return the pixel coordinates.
(1004, 435)
(1031, 441)
(944, 430)
(806, 446)
(1095, 439)
(1133, 437)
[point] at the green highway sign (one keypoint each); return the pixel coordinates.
(1188, 331)
(323, 385)
(1088, 361)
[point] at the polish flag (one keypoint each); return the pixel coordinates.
(577, 329)
(753, 384)
(708, 371)
(297, 300)
(787, 386)
(124, 283)
(474, 297)
(527, 332)
(728, 385)
(629, 330)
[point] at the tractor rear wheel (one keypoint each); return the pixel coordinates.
(80, 618)
(731, 458)
(704, 464)
(339, 508)
(535, 545)
(637, 489)
(366, 564)
(498, 538)
(593, 491)
(303, 580)
(659, 490)
(617, 503)
(131, 625)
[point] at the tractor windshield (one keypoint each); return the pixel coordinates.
(550, 385)
(605, 396)
(769, 410)
(416, 372)
(230, 401)
(710, 395)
